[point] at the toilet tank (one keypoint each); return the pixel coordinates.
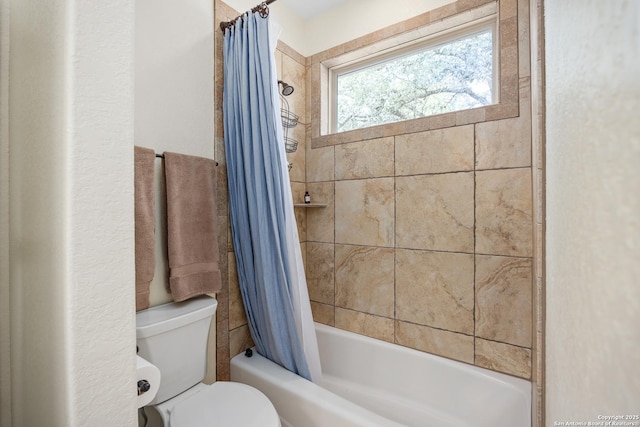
(173, 337)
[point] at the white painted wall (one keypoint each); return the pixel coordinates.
(174, 108)
(593, 209)
(70, 226)
(349, 20)
(174, 76)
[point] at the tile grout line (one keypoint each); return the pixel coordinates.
(475, 225)
(395, 248)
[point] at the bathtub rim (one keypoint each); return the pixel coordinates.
(519, 383)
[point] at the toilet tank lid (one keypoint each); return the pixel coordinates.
(162, 318)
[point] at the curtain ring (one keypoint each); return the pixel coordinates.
(264, 10)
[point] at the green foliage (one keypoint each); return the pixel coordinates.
(450, 77)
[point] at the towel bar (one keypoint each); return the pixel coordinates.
(161, 156)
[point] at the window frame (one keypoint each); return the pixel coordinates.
(418, 44)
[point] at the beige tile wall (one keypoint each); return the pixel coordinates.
(439, 259)
(427, 236)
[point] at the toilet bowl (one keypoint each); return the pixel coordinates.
(173, 337)
(223, 404)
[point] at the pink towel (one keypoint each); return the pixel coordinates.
(144, 159)
(191, 226)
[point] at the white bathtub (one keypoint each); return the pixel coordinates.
(372, 383)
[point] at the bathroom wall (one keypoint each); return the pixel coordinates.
(5, 293)
(67, 196)
(593, 205)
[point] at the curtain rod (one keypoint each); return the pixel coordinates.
(262, 8)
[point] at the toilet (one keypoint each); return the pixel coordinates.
(173, 337)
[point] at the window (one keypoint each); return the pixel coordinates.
(450, 73)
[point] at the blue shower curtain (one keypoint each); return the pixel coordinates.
(270, 271)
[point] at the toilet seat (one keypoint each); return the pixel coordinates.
(224, 404)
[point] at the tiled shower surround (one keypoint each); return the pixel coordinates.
(427, 242)
(427, 237)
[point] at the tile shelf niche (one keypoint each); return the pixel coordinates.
(309, 205)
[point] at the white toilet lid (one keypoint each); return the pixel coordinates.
(225, 404)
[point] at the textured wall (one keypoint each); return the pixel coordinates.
(5, 294)
(99, 201)
(71, 213)
(593, 188)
